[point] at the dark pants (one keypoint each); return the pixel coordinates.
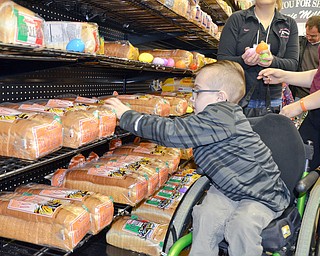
(310, 130)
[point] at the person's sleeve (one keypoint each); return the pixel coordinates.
(227, 49)
(188, 132)
(291, 57)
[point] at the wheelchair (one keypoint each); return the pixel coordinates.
(296, 231)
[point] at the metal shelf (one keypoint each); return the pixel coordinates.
(23, 53)
(12, 166)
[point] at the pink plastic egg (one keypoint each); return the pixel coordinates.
(170, 62)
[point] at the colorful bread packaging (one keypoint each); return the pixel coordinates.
(137, 235)
(162, 205)
(43, 220)
(100, 207)
(28, 135)
(18, 25)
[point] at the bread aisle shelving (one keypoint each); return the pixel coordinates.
(28, 72)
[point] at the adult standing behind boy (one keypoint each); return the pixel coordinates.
(308, 55)
(246, 28)
(247, 191)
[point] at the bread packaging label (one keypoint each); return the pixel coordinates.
(141, 228)
(39, 205)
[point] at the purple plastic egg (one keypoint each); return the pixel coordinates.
(158, 61)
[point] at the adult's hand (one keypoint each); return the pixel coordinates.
(272, 75)
(291, 110)
(250, 57)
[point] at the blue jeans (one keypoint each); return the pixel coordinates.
(262, 103)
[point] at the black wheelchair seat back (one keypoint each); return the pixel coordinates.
(288, 151)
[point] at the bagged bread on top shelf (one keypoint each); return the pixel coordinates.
(121, 49)
(147, 104)
(58, 34)
(100, 207)
(19, 25)
(42, 220)
(28, 135)
(137, 235)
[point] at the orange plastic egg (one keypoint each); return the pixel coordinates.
(262, 47)
(181, 64)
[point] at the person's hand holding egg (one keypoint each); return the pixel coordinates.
(250, 57)
(265, 55)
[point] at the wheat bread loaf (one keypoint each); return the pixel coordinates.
(137, 235)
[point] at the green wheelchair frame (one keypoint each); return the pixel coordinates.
(309, 235)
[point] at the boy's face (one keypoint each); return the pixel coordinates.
(203, 95)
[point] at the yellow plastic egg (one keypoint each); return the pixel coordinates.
(146, 57)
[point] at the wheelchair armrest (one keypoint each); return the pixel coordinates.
(307, 182)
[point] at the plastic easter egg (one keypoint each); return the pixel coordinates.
(170, 62)
(165, 62)
(146, 57)
(158, 61)
(263, 56)
(75, 45)
(251, 51)
(180, 64)
(262, 47)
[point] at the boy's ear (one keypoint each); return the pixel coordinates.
(222, 96)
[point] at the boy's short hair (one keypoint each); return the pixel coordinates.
(227, 76)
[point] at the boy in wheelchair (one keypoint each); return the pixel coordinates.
(247, 192)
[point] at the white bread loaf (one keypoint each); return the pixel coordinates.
(100, 207)
(28, 135)
(42, 220)
(18, 25)
(137, 235)
(123, 188)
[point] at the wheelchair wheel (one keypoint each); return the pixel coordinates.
(182, 217)
(308, 240)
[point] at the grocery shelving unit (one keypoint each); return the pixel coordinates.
(28, 73)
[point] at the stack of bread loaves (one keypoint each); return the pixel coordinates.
(43, 220)
(100, 207)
